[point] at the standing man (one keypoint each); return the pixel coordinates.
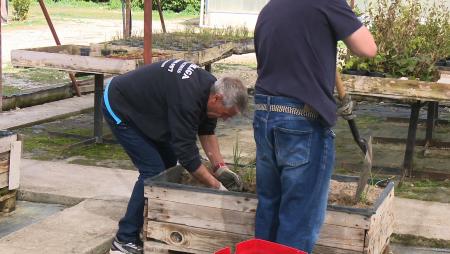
(296, 44)
(155, 113)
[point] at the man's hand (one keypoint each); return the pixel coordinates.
(228, 178)
(203, 175)
(345, 108)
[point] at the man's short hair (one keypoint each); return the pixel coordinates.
(233, 91)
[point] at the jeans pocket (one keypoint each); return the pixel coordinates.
(293, 147)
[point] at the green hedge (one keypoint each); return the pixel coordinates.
(172, 5)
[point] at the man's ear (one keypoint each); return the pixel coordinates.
(218, 97)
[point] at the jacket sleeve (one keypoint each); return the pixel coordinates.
(207, 126)
(184, 111)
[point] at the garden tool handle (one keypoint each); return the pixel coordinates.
(361, 142)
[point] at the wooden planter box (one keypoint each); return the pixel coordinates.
(10, 153)
(202, 220)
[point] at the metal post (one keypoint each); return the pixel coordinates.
(55, 36)
(98, 117)
(411, 140)
(147, 31)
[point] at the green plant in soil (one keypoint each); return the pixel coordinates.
(410, 36)
(190, 39)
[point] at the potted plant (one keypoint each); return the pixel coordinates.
(411, 37)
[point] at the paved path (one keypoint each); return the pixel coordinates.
(99, 197)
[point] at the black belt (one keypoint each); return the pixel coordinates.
(305, 111)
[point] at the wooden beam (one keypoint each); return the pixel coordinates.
(3, 180)
(14, 165)
(396, 88)
(193, 237)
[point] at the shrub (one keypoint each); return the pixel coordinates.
(410, 37)
(177, 5)
(21, 8)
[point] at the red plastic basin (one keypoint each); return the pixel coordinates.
(257, 246)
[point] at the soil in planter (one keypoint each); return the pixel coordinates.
(340, 193)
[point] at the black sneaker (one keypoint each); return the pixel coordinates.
(118, 247)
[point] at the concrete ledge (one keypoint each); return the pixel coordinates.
(87, 228)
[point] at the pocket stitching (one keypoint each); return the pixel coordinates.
(290, 131)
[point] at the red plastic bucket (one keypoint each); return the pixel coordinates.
(257, 246)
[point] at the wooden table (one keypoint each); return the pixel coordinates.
(411, 92)
(89, 59)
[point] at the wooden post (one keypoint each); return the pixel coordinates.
(127, 32)
(411, 141)
(431, 122)
(163, 25)
(147, 31)
(55, 36)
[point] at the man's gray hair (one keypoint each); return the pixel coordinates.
(233, 91)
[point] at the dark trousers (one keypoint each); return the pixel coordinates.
(150, 158)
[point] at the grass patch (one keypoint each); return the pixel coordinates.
(419, 241)
(427, 190)
(73, 10)
(10, 90)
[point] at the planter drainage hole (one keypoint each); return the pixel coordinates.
(176, 237)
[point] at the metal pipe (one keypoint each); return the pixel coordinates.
(55, 36)
(98, 117)
(147, 31)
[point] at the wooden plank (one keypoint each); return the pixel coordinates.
(347, 220)
(242, 223)
(320, 249)
(201, 217)
(377, 237)
(408, 89)
(68, 62)
(342, 237)
(5, 143)
(161, 248)
(14, 165)
(228, 202)
(3, 180)
(4, 163)
(193, 238)
(242, 204)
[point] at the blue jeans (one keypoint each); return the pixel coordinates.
(294, 163)
(150, 158)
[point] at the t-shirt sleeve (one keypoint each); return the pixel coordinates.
(341, 18)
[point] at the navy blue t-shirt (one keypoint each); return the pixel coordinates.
(296, 46)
